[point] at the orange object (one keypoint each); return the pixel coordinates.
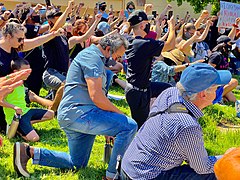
(228, 167)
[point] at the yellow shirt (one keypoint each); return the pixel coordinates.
(16, 98)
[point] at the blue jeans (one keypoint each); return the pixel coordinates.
(184, 172)
(81, 134)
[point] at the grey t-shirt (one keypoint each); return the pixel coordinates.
(89, 63)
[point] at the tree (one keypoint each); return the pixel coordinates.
(199, 5)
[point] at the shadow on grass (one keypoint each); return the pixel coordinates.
(54, 136)
(90, 173)
(3, 172)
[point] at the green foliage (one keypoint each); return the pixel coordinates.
(199, 5)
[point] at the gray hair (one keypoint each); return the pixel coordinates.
(186, 96)
(12, 28)
(115, 41)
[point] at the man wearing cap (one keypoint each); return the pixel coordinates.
(140, 55)
(172, 134)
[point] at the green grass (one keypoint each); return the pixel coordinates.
(52, 137)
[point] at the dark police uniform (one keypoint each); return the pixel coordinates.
(140, 89)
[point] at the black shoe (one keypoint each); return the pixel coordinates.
(113, 80)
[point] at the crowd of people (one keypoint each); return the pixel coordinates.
(174, 68)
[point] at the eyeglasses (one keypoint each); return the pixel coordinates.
(20, 39)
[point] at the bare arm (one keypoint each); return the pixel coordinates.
(96, 94)
(164, 37)
(8, 105)
(170, 43)
(203, 15)
(205, 32)
(120, 17)
(43, 29)
(180, 68)
(159, 29)
(189, 42)
(62, 19)
(232, 33)
(38, 41)
(78, 39)
(164, 12)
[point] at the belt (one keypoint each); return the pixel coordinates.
(136, 88)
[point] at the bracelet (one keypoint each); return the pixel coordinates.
(235, 25)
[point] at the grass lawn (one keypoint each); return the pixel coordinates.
(217, 141)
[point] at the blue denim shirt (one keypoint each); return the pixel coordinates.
(89, 63)
(161, 72)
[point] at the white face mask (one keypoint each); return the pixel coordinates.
(222, 31)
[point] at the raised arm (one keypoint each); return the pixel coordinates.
(203, 15)
(62, 19)
(38, 41)
(232, 33)
(189, 42)
(205, 32)
(78, 39)
(170, 43)
(164, 12)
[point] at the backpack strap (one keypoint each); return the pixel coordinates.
(70, 54)
(174, 108)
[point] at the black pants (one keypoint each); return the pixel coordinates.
(139, 101)
(36, 61)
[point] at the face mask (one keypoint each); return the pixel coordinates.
(36, 19)
(147, 28)
(187, 35)
(103, 8)
(218, 97)
(130, 10)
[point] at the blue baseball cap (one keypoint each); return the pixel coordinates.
(104, 27)
(200, 76)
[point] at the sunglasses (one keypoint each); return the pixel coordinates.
(20, 39)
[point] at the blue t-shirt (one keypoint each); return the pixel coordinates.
(89, 63)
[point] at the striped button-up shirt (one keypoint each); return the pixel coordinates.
(166, 140)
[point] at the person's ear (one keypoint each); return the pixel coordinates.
(202, 95)
(8, 36)
(108, 49)
(142, 26)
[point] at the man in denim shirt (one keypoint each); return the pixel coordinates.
(85, 112)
